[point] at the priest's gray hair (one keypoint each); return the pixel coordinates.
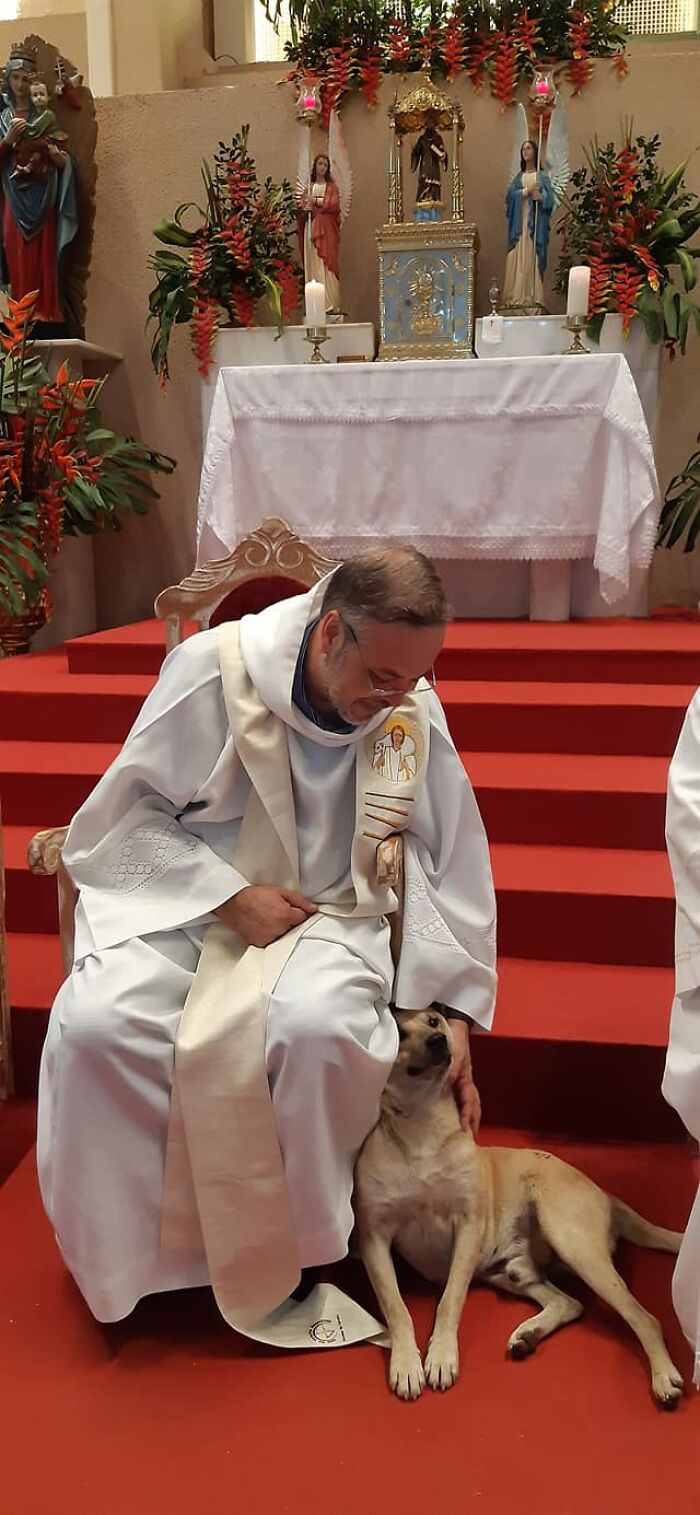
(387, 584)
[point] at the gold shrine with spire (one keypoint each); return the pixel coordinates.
(427, 263)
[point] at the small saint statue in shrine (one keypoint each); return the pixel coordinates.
(429, 160)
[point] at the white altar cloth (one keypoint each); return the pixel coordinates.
(544, 458)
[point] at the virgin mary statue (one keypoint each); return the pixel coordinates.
(535, 189)
(324, 194)
(39, 217)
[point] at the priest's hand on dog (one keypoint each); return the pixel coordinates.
(262, 913)
(461, 1078)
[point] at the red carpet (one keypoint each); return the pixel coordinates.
(567, 732)
(169, 1413)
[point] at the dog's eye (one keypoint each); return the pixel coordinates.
(433, 1022)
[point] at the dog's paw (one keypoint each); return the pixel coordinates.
(406, 1374)
(442, 1364)
(523, 1342)
(667, 1388)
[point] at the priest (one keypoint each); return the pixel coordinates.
(681, 1084)
(216, 1057)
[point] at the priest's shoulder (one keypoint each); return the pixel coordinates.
(197, 655)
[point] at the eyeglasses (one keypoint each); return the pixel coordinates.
(422, 685)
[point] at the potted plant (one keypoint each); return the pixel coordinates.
(237, 254)
(632, 224)
(681, 508)
(62, 473)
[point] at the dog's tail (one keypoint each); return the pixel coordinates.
(635, 1228)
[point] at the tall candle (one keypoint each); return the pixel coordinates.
(579, 286)
(315, 293)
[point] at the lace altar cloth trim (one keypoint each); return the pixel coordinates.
(144, 856)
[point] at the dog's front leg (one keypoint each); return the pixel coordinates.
(405, 1367)
(442, 1360)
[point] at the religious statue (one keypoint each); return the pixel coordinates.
(538, 178)
(324, 195)
(39, 215)
(429, 159)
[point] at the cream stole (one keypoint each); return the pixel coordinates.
(224, 1186)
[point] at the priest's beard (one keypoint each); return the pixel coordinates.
(349, 707)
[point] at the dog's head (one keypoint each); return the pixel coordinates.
(425, 1047)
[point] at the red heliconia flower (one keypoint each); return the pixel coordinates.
(371, 76)
(289, 280)
(338, 78)
(205, 324)
(579, 67)
(626, 167)
(479, 52)
(620, 64)
(504, 69)
(601, 281)
(237, 243)
(243, 307)
(398, 48)
(527, 34)
(627, 283)
(650, 264)
(428, 43)
(453, 47)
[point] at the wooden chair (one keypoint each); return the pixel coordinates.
(6, 1073)
(272, 563)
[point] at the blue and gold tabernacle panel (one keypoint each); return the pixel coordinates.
(426, 290)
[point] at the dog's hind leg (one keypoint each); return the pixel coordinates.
(581, 1238)
(406, 1374)
(556, 1308)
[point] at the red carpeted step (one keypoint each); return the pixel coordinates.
(54, 704)
(138, 648)
(31, 900)
(42, 780)
(619, 651)
(554, 798)
(577, 904)
(605, 651)
(639, 719)
(35, 973)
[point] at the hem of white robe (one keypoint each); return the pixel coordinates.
(117, 1296)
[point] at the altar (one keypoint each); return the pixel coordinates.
(505, 471)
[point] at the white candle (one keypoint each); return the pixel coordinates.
(315, 303)
(579, 286)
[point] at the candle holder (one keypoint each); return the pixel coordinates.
(576, 324)
(316, 336)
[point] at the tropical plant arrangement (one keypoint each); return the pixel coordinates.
(62, 473)
(632, 224)
(493, 42)
(681, 508)
(237, 254)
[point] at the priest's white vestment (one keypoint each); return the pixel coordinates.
(151, 854)
(681, 1084)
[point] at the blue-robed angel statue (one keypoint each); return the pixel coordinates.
(538, 179)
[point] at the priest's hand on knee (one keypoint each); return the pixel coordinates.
(262, 913)
(461, 1077)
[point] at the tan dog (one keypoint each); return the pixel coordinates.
(457, 1212)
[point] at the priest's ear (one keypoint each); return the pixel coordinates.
(331, 632)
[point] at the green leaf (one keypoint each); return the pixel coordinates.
(669, 301)
(173, 234)
(670, 228)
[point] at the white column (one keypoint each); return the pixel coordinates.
(100, 46)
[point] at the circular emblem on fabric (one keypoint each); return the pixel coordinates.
(324, 1332)
(396, 750)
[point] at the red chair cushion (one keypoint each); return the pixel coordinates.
(247, 599)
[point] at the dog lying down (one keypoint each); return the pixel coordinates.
(457, 1212)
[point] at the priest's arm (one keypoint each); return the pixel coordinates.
(448, 942)
(149, 850)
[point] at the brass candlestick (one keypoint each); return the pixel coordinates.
(316, 336)
(576, 324)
